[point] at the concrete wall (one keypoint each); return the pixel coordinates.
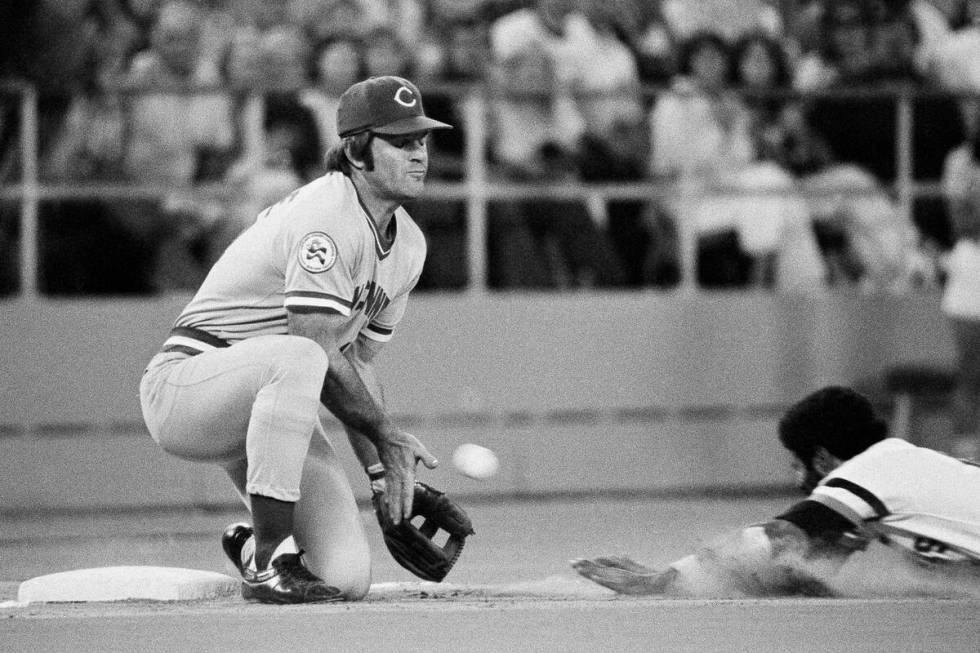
(577, 392)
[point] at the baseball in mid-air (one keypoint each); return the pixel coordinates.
(475, 461)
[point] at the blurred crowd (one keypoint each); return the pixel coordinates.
(763, 121)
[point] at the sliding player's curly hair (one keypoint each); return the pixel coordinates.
(839, 419)
(357, 146)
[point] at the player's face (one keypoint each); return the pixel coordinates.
(807, 477)
(400, 165)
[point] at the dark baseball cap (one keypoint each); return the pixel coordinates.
(384, 105)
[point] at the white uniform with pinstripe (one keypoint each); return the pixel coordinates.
(232, 387)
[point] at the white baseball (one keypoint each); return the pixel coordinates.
(475, 461)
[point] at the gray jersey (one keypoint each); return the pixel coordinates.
(317, 250)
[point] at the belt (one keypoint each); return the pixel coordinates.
(192, 341)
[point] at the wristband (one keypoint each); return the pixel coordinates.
(376, 474)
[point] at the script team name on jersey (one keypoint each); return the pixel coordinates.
(371, 298)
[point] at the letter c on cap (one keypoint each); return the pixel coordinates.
(405, 103)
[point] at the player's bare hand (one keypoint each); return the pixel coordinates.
(399, 454)
(623, 575)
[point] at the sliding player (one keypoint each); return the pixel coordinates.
(862, 485)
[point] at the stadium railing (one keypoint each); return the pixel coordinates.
(477, 189)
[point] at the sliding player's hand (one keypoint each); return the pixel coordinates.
(623, 575)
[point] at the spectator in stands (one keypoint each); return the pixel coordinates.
(464, 59)
(701, 141)
(642, 233)
(336, 65)
(90, 144)
(85, 247)
(694, 130)
(729, 19)
(171, 67)
(605, 76)
(866, 236)
(531, 106)
(176, 135)
(385, 54)
(267, 51)
(566, 242)
(842, 44)
(763, 75)
(828, 34)
(62, 49)
(862, 130)
(536, 127)
(291, 156)
(801, 33)
(653, 44)
(532, 64)
(895, 21)
(605, 81)
(961, 295)
(834, 32)
(955, 61)
(143, 15)
(323, 20)
(407, 18)
(291, 151)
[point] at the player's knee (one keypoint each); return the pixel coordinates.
(304, 351)
(353, 579)
(357, 591)
(303, 359)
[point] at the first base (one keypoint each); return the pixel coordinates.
(127, 583)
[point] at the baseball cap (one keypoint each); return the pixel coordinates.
(384, 105)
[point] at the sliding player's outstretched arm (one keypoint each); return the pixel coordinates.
(776, 558)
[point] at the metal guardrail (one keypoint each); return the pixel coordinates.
(476, 190)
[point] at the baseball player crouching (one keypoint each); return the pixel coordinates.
(862, 486)
(292, 315)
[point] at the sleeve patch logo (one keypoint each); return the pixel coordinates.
(317, 253)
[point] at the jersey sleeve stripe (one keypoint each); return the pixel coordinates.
(306, 309)
(876, 504)
(377, 334)
(320, 296)
(839, 491)
(383, 330)
(318, 302)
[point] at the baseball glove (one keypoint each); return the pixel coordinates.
(413, 547)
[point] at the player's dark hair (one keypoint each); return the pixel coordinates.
(359, 146)
(839, 419)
